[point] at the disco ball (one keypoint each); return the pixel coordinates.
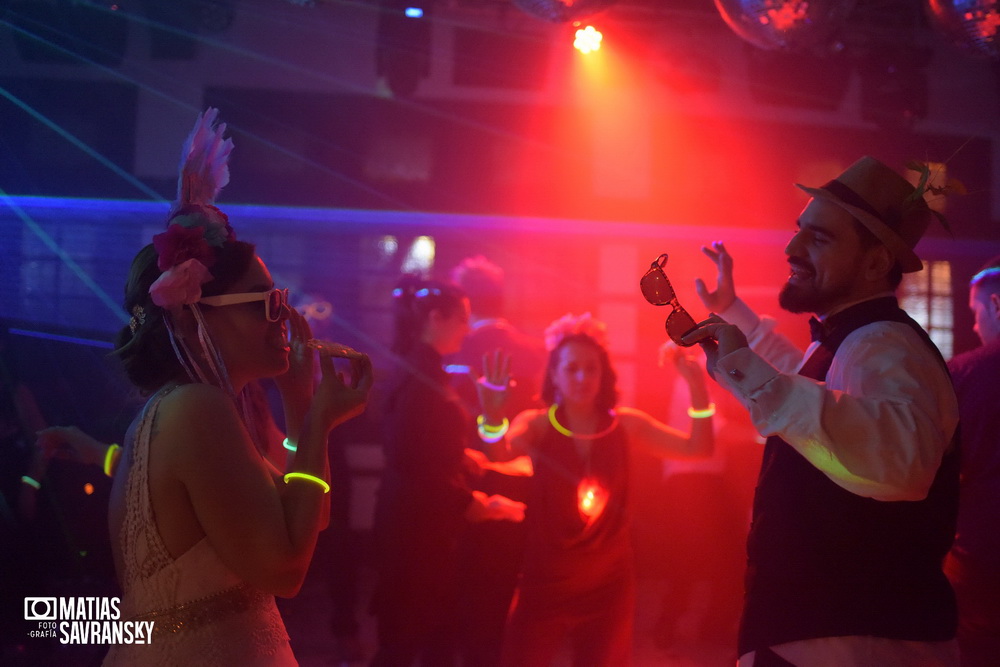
(972, 24)
(563, 11)
(786, 25)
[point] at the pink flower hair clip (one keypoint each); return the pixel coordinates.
(195, 227)
(570, 324)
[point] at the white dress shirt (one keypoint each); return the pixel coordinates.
(878, 427)
(880, 423)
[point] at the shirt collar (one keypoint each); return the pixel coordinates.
(881, 295)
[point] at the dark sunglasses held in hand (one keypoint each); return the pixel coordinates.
(658, 291)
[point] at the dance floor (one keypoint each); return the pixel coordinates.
(307, 617)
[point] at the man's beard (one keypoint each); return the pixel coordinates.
(810, 299)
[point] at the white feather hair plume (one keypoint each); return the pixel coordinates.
(204, 168)
(196, 229)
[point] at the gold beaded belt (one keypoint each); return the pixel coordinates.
(204, 610)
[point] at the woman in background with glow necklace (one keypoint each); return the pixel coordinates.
(578, 575)
(205, 531)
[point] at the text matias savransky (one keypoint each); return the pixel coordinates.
(85, 620)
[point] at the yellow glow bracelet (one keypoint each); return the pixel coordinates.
(704, 413)
(109, 457)
(491, 433)
(308, 478)
(492, 428)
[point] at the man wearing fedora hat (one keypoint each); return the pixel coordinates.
(857, 494)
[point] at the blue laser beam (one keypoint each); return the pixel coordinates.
(45, 238)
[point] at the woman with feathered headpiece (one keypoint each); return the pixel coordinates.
(205, 531)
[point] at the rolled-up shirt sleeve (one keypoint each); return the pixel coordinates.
(878, 426)
(778, 350)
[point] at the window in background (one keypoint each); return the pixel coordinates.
(927, 297)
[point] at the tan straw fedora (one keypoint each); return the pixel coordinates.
(885, 203)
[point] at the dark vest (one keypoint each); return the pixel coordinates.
(824, 562)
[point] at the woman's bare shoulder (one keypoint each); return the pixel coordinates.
(193, 400)
(194, 415)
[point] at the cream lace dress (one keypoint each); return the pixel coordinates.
(203, 614)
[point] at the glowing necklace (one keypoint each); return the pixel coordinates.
(590, 436)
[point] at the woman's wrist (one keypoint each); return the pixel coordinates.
(310, 447)
(111, 457)
(695, 412)
(700, 398)
(316, 482)
(295, 414)
(489, 431)
(492, 386)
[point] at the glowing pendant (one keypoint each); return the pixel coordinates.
(591, 499)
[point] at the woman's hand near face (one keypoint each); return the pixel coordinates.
(339, 398)
(297, 382)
